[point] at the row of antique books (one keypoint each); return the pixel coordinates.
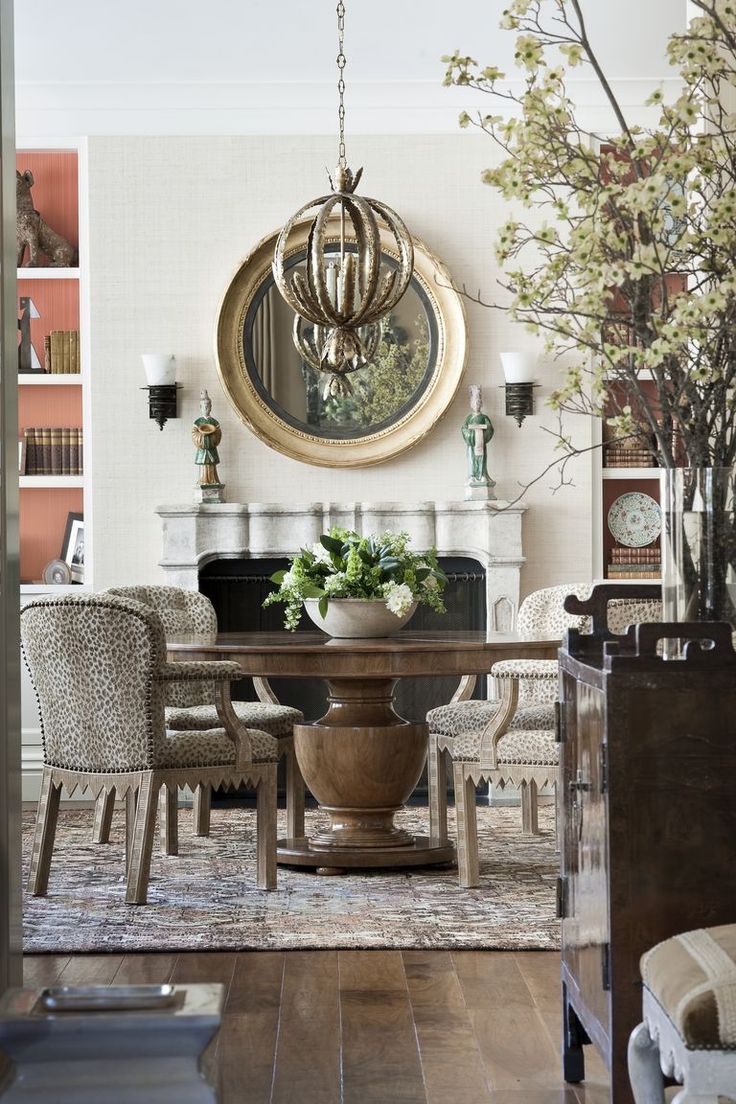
(61, 352)
(52, 451)
(636, 563)
(616, 456)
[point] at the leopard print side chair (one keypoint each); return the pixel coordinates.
(456, 729)
(192, 707)
(98, 666)
(511, 741)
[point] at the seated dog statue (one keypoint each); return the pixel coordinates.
(35, 233)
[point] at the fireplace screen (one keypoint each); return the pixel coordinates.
(237, 588)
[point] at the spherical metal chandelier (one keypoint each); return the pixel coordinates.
(343, 292)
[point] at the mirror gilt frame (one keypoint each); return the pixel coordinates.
(299, 444)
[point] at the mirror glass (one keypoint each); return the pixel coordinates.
(382, 391)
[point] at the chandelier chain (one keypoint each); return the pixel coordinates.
(341, 61)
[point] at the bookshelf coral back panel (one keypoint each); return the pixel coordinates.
(43, 517)
(57, 305)
(44, 406)
(55, 190)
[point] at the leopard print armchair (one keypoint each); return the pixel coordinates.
(190, 706)
(511, 741)
(92, 662)
(180, 611)
(99, 669)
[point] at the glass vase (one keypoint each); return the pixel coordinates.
(699, 544)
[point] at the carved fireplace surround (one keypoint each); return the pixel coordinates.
(490, 532)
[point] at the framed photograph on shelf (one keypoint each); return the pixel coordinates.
(72, 548)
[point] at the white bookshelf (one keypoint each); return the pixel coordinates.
(54, 588)
(630, 473)
(81, 378)
(50, 483)
(49, 379)
(32, 757)
(48, 273)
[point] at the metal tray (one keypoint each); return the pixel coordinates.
(104, 998)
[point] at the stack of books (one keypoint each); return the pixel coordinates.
(61, 349)
(636, 563)
(618, 456)
(55, 451)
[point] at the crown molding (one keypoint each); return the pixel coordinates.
(373, 107)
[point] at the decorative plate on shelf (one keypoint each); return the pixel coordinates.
(57, 572)
(635, 519)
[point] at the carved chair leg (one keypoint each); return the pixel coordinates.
(529, 808)
(437, 777)
(202, 808)
(645, 1073)
(168, 820)
(266, 829)
(130, 806)
(104, 808)
(43, 836)
(294, 797)
(139, 867)
(467, 828)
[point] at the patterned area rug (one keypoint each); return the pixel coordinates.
(205, 898)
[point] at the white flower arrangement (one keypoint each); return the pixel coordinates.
(345, 565)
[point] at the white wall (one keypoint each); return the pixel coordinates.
(170, 220)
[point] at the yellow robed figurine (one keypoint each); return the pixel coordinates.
(477, 431)
(206, 435)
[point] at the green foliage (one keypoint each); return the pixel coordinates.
(384, 385)
(628, 260)
(342, 564)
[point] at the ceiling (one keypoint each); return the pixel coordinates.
(87, 66)
(294, 40)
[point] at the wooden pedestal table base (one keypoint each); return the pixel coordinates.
(362, 762)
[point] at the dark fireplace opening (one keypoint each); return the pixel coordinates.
(237, 589)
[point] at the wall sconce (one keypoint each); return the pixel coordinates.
(519, 370)
(161, 385)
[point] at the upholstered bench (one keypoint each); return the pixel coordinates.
(689, 1028)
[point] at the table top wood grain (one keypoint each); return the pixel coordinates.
(313, 654)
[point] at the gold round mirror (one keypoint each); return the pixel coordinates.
(395, 399)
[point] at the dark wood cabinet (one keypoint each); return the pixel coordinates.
(648, 776)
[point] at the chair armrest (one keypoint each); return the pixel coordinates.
(216, 670)
(541, 669)
(263, 690)
(465, 689)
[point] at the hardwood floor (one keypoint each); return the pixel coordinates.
(369, 1027)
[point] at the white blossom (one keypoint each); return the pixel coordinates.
(398, 598)
(321, 554)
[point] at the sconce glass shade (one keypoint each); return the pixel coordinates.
(519, 367)
(160, 369)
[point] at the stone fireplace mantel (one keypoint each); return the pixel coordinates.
(490, 532)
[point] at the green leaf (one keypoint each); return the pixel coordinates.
(422, 573)
(278, 577)
(323, 604)
(332, 544)
(311, 590)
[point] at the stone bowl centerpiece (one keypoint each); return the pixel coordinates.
(352, 586)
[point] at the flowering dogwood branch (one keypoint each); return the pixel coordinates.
(630, 270)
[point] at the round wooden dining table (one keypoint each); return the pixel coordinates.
(361, 760)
